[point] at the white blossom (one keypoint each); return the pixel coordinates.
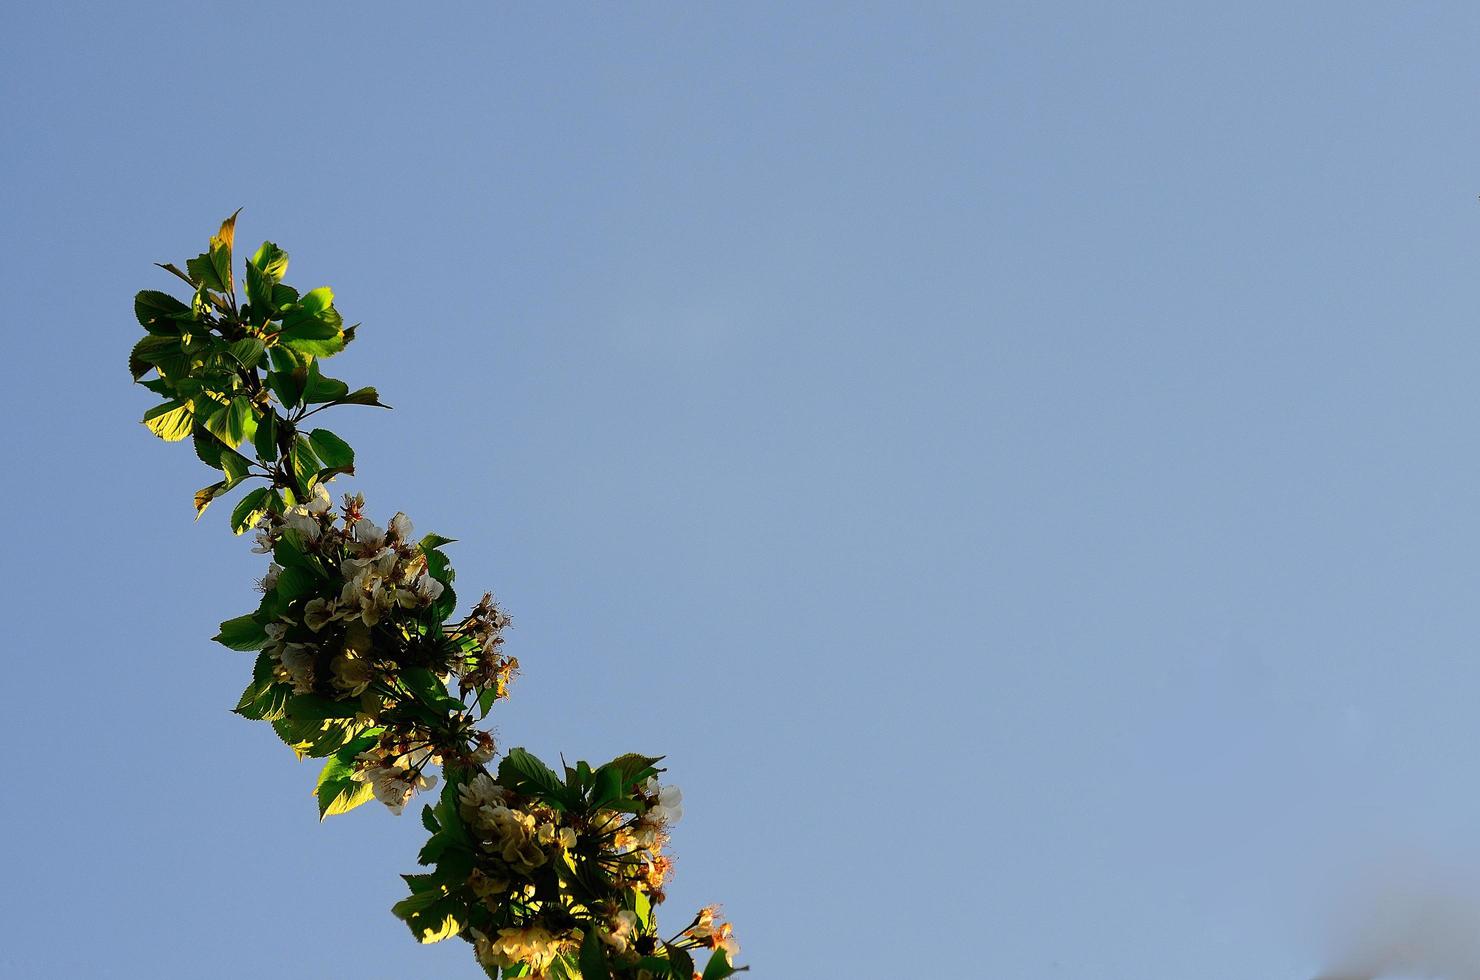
(426, 588)
(317, 504)
(668, 808)
(619, 930)
(394, 782)
(304, 523)
(318, 613)
(266, 536)
(298, 660)
(369, 535)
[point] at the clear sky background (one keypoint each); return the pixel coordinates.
(1017, 460)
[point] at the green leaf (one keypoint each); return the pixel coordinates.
(266, 698)
(284, 297)
(271, 261)
(287, 385)
(422, 883)
(520, 769)
(446, 603)
(434, 541)
(718, 966)
(362, 396)
(319, 389)
(420, 900)
(608, 786)
(431, 915)
(337, 790)
(207, 447)
(163, 353)
(306, 706)
(314, 326)
(486, 698)
(294, 582)
(158, 311)
(170, 421)
(438, 566)
(264, 270)
(212, 268)
(643, 906)
(249, 509)
(429, 689)
(289, 553)
(242, 633)
(230, 422)
(203, 269)
(317, 300)
(326, 347)
(236, 465)
(265, 439)
(306, 464)
(593, 958)
(248, 352)
(315, 738)
(333, 451)
(683, 963)
(635, 768)
(429, 820)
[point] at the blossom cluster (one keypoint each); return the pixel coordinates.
(356, 652)
(552, 875)
(326, 643)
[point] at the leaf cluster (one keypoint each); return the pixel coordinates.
(242, 373)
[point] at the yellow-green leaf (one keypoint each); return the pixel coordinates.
(170, 421)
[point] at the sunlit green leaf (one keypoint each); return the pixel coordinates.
(332, 451)
(152, 351)
(249, 509)
(266, 697)
(271, 261)
(431, 915)
(232, 422)
(236, 465)
(319, 389)
(337, 790)
(362, 396)
(317, 300)
(264, 270)
(170, 421)
(306, 463)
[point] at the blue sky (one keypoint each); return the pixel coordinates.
(1017, 461)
